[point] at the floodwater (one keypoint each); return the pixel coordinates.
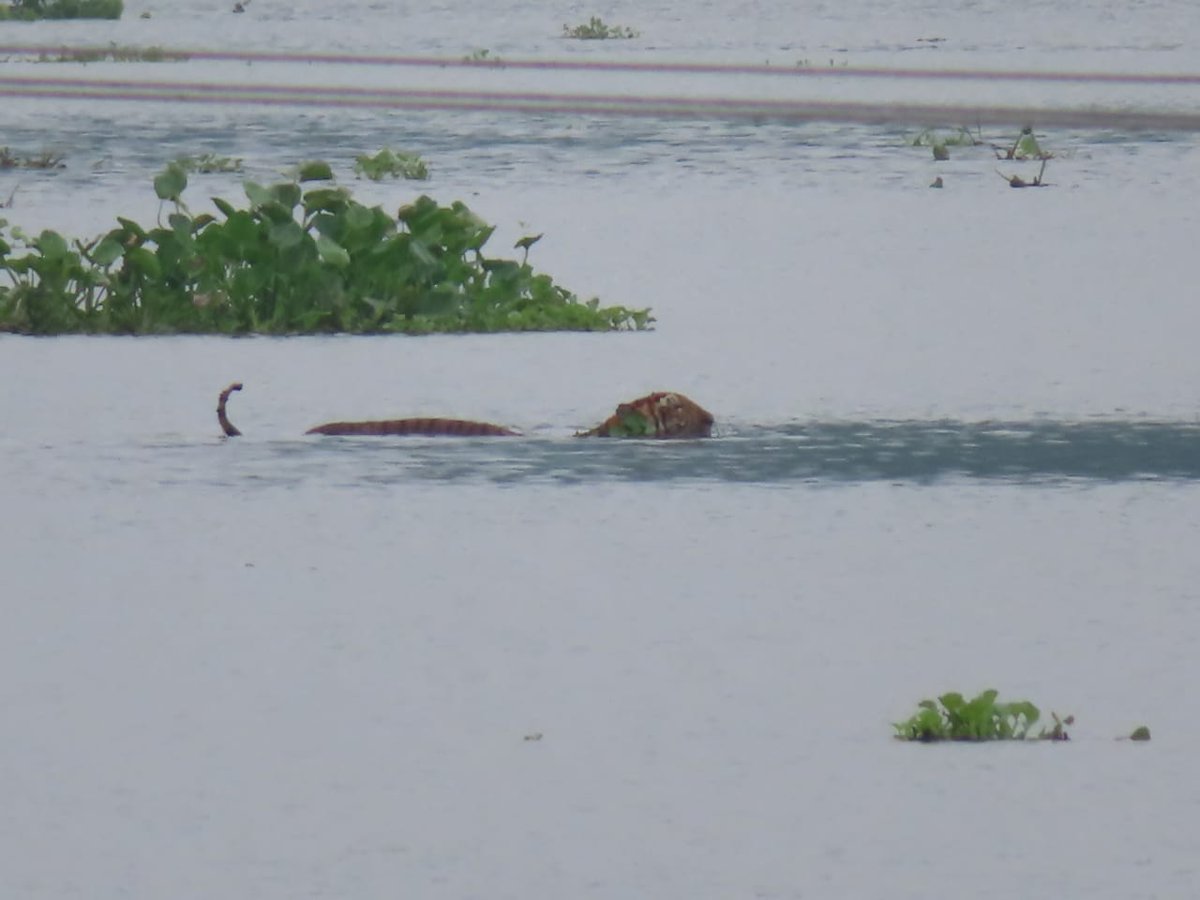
(957, 449)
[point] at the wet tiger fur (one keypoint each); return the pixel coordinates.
(659, 415)
(663, 414)
(227, 426)
(451, 427)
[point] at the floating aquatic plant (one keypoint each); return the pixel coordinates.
(1018, 182)
(291, 259)
(982, 718)
(44, 160)
(596, 30)
(113, 53)
(29, 10)
(208, 163)
(1026, 146)
(959, 137)
(395, 163)
(483, 57)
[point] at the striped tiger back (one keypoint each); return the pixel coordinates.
(430, 427)
(663, 414)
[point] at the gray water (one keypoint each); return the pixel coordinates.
(956, 449)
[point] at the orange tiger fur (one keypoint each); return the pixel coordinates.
(455, 427)
(663, 414)
(432, 427)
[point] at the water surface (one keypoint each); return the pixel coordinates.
(956, 449)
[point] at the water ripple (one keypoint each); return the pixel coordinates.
(835, 452)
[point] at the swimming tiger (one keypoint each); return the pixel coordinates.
(663, 414)
(423, 426)
(659, 415)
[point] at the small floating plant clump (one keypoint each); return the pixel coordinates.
(290, 261)
(594, 29)
(982, 718)
(483, 56)
(208, 163)
(113, 53)
(1024, 148)
(959, 137)
(395, 163)
(43, 160)
(30, 10)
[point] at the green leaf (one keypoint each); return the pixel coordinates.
(227, 209)
(170, 183)
(634, 423)
(286, 193)
(422, 253)
(325, 199)
(359, 217)
(142, 260)
(132, 228)
(52, 245)
(286, 234)
(181, 225)
(107, 252)
(952, 701)
(1026, 709)
(332, 253)
(315, 170)
(257, 194)
(240, 231)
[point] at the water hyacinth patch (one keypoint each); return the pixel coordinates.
(29, 10)
(44, 160)
(982, 718)
(208, 163)
(596, 30)
(290, 260)
(395, 163)
(114, 53)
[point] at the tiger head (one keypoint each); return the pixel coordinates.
(664, 414)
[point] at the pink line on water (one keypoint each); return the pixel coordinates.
(181, 53)
(588, 104)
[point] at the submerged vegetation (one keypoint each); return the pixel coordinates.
(44, 160)
(959, 137)
(953, 718)
(208, 163)
(1018, 182)
(290, 260)
(1024, 147)
(29, 10)
(483, 56)
(113, 53)
(594, 29)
